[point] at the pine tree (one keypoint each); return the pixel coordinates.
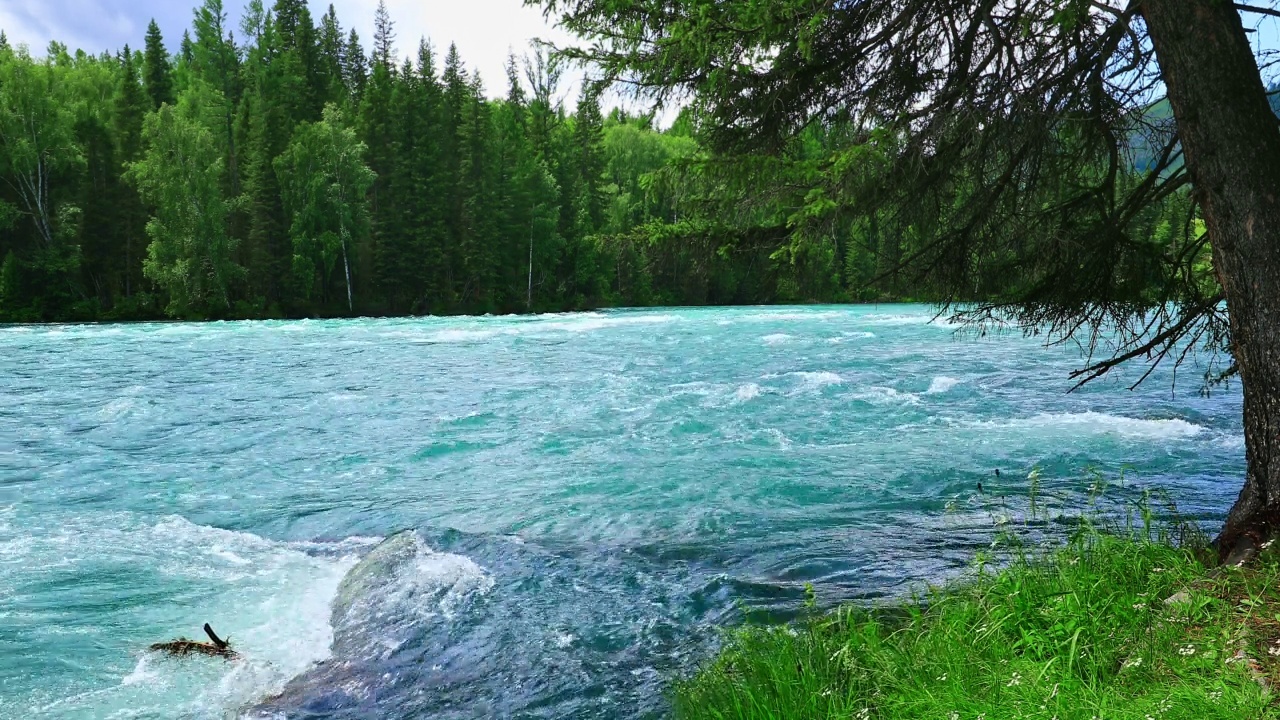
(428, 178)
(131, 105)
(384, 36)
(355, 70)
(296, 35)
(332, 50)
(477, 240)
(157, 72)
(273, 86)
(455, 98)
(216, 61)
(377, 132)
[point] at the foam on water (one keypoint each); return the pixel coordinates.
(600, 321)
(941, 385)
(817, 380)
(777, 339)
(1096, 423)
(879, 395)
(458, 336)
(271, 599)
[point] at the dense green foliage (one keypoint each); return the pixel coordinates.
(284, 171)
(1082, 633)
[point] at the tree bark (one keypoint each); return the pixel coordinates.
(1231, 140)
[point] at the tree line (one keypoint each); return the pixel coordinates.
(291, 172)
(285, 170)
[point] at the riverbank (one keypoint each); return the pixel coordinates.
(1108, 627)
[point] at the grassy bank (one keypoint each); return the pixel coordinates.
(1080, 632)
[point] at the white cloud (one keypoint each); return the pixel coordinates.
(90, 24)
(485, 31)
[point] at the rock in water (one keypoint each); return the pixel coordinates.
(367, 580)
(395, 594)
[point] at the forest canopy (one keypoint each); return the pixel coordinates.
(284, 169)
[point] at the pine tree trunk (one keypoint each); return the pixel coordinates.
(1232, 144)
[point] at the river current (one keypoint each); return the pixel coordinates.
(594, 496)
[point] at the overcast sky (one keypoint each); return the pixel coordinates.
(484, 30)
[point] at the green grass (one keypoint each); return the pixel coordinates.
(1078, 632)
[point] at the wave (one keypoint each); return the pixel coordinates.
(900, 319)
(777, 339)
(458, 336)
(817, 380)
(789, 316)
(941, 384)
(880, 395)
(1102, 424)
(599, 322)
(750, 391)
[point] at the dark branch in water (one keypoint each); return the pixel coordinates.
(213, 637)
(183, 647)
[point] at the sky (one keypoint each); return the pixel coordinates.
(484, 30)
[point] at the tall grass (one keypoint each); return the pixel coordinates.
(1081, 631)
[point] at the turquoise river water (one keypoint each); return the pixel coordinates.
(593, 496)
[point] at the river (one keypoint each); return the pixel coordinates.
(595, 495)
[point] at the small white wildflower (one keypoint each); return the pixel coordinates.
(942, 677)
(1157, 570)
(1267, 545)
(1273, 650)
(1187, 651)
(1015, 681)
(1215, 696)
(1140, 606)
(863, 714)
(1132, 663)
(954, 715)
(1073, 561)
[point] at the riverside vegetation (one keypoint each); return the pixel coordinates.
(1119, 624)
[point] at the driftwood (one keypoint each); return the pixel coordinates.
(182, 647)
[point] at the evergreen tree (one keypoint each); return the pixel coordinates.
(296, 36)
(384, 36)
(383, 249)
(355, 70)
(157, 72)
(131, 105)
(332, 59)
(216, 61)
